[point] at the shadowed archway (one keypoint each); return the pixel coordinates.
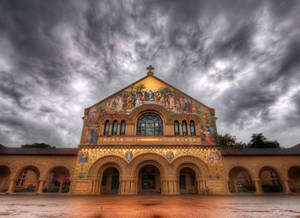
(187, 181)
(294, 179)
(149, 180)
(4, 178)
(240, 181)
(110, 181)
(28, 179)
(270, 180)
(58, 180)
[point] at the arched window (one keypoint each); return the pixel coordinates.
(192, 127)
(106, 127)
(149, 124)
(176, 127)
(184, 128)
(115, 128)
(123, 127)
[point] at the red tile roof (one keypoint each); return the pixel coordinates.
(39, 151)
(261, 152)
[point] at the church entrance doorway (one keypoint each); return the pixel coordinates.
(187, 181)
(149, 180)
(110, 181)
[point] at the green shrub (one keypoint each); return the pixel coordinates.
(249, 189)
(272, 188)
(66, 188)
(54, 188)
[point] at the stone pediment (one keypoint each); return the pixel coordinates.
(148, 90)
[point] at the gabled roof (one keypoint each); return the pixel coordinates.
(143, 78)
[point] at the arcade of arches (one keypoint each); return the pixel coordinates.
(151, 174)
(149, 138)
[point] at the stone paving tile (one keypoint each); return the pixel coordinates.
(108, 206)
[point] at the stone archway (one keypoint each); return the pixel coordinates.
(4, 178)
(97, 172)
(240, 180)
(160, 165)
(270, 180)
(195, 168)
(294, 179)
(58, 180)
(28, 179)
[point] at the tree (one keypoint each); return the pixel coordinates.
(37, 145)
(258, 140)
(229, 141)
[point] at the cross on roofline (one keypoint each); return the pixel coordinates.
(150, 68)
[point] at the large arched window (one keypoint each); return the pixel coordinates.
(123, 127)
(149, 124)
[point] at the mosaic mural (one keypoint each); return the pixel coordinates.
(145, 93)
(149, 91)
(90, 135)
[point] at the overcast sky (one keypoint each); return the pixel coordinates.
(58, 57)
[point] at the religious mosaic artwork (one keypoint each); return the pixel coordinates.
(83, 157)
(214, 157)
(90, 135)
(169, 155)
(128, 155)
(148, 92)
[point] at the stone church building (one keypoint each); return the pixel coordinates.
(149, 138)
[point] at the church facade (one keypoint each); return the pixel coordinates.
(150, 138)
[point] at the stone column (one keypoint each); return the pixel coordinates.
(110, 128)
(227, 189)
(169, 187)
(118, 127)
(40, 187)
(258, 187)
(285, 186)
(11, 187)
(61, 184)
(180, 128)
(127, 187)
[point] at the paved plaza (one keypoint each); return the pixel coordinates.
(149, 206)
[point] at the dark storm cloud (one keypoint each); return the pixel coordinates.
(58, 57)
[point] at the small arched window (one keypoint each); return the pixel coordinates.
(150, 124)
(123, 127)
(192, 127)
(176, 127)
(106, 127)
(115, 128)
(184, 128)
